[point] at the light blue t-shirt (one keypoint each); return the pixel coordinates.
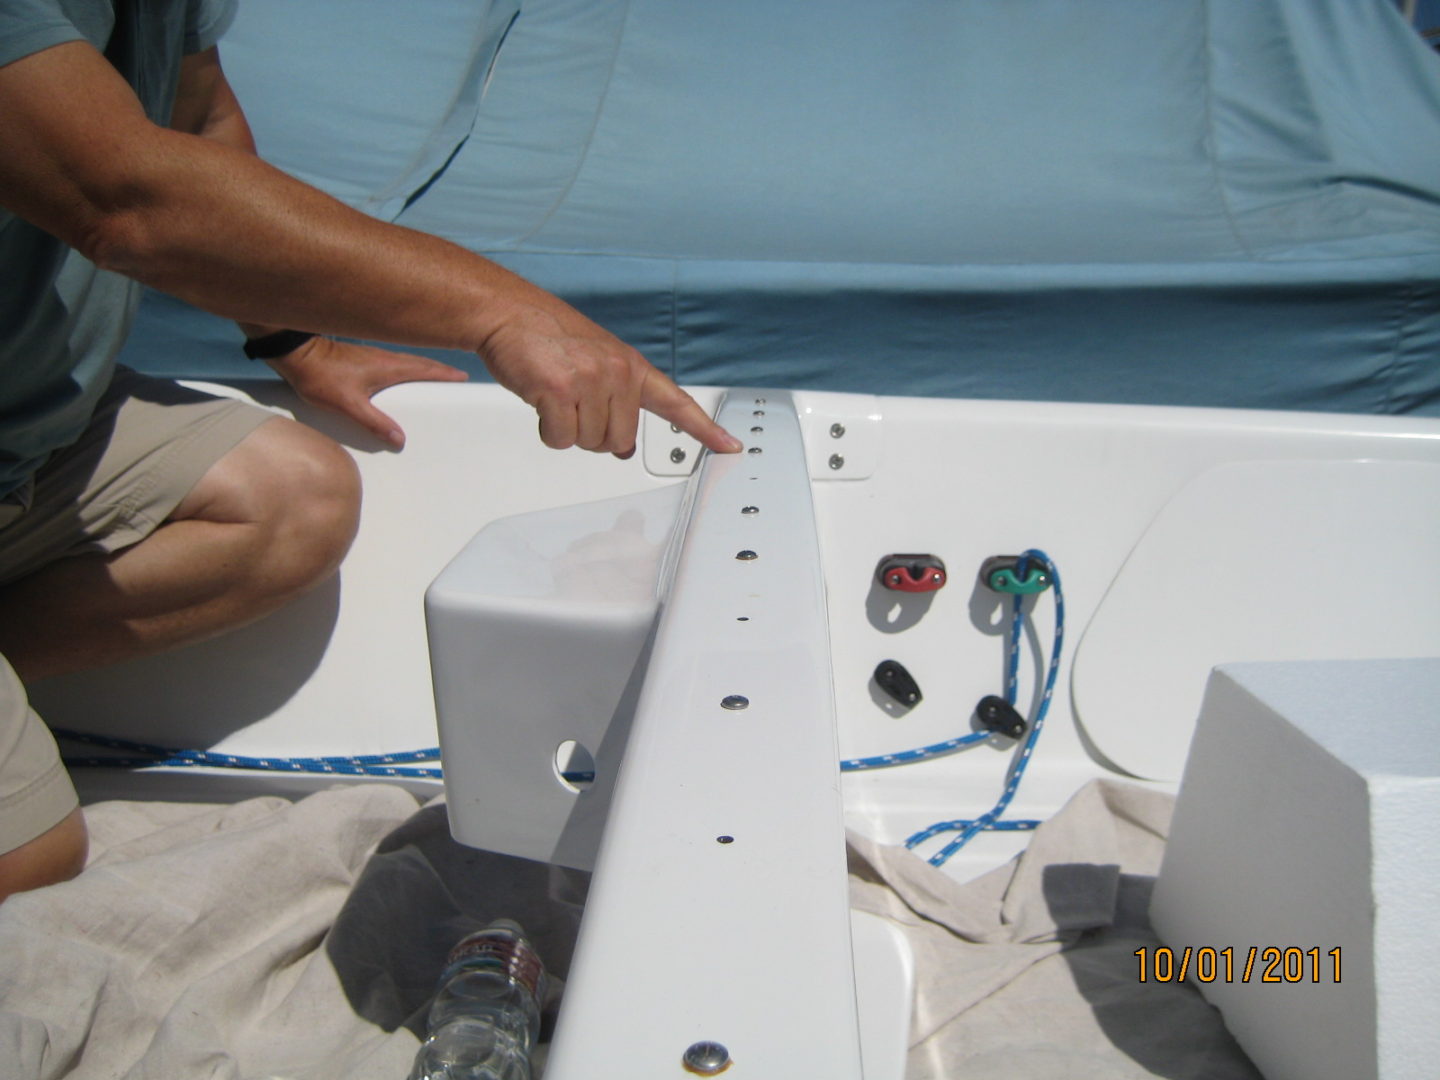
(62, 320)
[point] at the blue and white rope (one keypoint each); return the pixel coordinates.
(146, 755)
(990, 821)
(922, 753)
(965, 823)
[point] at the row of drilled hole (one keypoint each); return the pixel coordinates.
(708, 1058)
(572, 758)
(739, 701)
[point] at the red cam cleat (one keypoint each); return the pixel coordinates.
(911, 573)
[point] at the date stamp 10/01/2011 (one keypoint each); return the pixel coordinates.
(1260, 964)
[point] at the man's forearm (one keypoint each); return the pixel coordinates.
(228, 233)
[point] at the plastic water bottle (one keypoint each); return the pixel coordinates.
(486, 1013)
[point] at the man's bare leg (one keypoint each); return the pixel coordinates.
(54, 856)
(265, 523)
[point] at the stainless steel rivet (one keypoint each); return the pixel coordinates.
(706, 1059)
(735, 701)
(749, 510)
(756, 430)
(837, 431)
(758, 412)
(759, 401)
(746, 556)
(675, 428)
(756, 450)
(677, 455)
(836, 461)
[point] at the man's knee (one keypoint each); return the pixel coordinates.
(318, 503)
(299, 493)
(54, 856)
(311, 493)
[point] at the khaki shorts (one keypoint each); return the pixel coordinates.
(147, 445)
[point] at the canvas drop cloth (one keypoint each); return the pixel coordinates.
(270, 940)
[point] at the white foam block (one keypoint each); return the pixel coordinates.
(1306, 820)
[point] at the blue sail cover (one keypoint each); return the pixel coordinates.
(1209, 202)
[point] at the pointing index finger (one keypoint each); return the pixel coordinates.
(667, 401)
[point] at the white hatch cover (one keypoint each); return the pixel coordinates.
(1258, 560)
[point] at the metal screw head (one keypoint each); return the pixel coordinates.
(836, 461)
(837, 431)
(749, 510)
(746, 556)
(675, 428)
(758, 412)
(706, 1059)
(735, 701)
(759, 401)
(756, 430)
(677, 455)
(755, 450)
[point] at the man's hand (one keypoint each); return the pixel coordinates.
(587, 385)
(342, 377)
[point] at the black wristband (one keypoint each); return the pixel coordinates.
(279, 343)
